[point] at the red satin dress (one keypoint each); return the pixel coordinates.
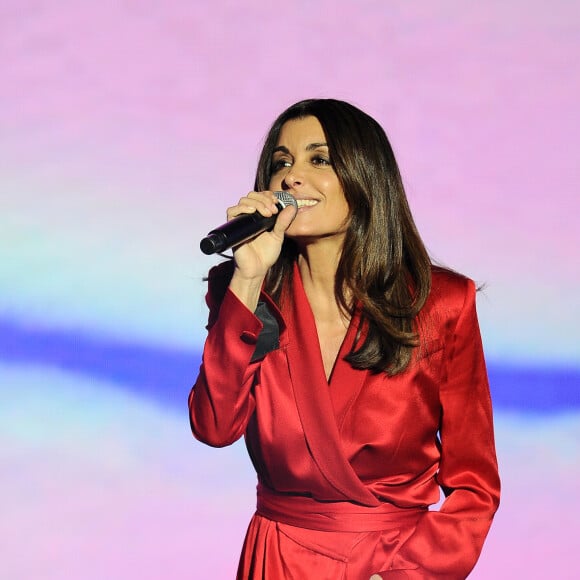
(348, 468)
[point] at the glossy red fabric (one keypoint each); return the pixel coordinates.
(333, 456)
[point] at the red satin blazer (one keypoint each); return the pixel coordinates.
(348, 468)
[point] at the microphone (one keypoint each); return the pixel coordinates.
(243, 227)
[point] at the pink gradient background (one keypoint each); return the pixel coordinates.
(126, 129)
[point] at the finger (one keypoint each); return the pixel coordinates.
(248, 207)
(266, 197)
(262, 202)
(284, 220)
(237, 210)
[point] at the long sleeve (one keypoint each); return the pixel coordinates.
(447, 543)
(221, 401)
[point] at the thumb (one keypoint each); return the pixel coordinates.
(284, 220)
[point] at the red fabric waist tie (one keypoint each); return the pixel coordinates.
(305, 512)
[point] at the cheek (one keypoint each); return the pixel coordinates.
(275, 183)
(338, 199)
(343, 211)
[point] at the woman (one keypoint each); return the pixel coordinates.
(352, 366)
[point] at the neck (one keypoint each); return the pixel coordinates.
(318, 264)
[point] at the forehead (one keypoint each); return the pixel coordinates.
(301, 132)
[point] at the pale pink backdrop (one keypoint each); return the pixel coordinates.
(126, 128)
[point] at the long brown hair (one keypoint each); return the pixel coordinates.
(384, 265)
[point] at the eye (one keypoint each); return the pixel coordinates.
(279, 164)
(320, 160)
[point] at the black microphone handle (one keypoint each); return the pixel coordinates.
(244, 227)
(237, 231)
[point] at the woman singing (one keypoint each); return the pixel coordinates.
(352, 366)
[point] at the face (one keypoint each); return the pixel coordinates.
(302, 166)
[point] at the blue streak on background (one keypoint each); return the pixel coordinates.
(538, 389)
(162, 374)
(166, 375)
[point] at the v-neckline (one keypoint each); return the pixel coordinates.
(348, 337)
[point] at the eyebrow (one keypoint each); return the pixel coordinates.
(309, 147)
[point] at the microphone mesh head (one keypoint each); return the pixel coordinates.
(285, 199)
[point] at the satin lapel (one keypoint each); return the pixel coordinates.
(315, 407)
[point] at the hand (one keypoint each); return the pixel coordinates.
(254, 258)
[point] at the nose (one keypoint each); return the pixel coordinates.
(292, 178)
